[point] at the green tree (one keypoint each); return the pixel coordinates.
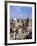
(27, 21)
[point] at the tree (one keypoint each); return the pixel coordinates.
(27, 21)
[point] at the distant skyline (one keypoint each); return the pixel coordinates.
(20, 12)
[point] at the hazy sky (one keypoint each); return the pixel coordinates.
(20, 12)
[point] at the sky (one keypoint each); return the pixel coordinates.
(20, 12)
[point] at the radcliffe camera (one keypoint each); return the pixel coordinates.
(20, 23)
